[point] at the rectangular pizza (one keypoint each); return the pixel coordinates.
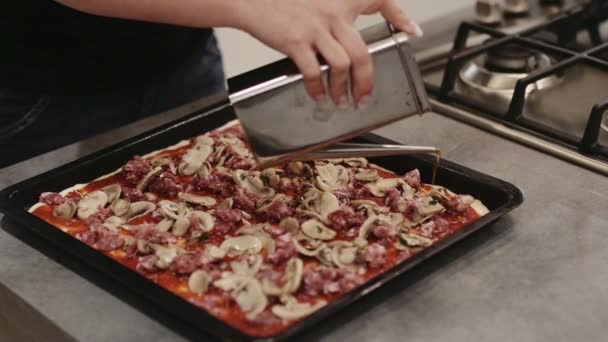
(258, 249)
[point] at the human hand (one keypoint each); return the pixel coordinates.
(302, 28)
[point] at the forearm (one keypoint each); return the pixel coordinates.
(193, 13)
(301, 29)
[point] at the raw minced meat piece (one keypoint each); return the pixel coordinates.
(346, 217)
(375, 255)
(412, 178)
(52, 198)
(216, 184)
(166, 184)
(134, 171)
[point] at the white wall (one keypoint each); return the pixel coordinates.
(242, 52)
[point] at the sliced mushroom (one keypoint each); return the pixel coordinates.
(66, 210)
(291, 279)
(164, 225)
(327, 204)
(352, 162)
(113, 222)
(251, 298)
(395, 219)
(309, 196)
(220, 155)
(413, 240)
(198, 282)
(299, 168)
(429, 206)
(205, 170)
(343, 254)
(408, 191)
(379, 187)
(168, 209)
(293, 309)
(416, 221)
(290, 224)
(143, 183)
(318, 204)
(252, 183)
(259, 231)
(366, 175)
(203, 140)
(120, 207)
(241, 244)
(194, 159)
(214, 253)
(226, 204)
(293, 275)
(331, 177)
(441, 193)
(324, 256)
(165, 255)
(90, 203)
(144, 247)
(251, 229)
(370, 207)
(467, 199)
(268, 202)
(357, 203)
(308, 247)
(129, 241)
(161, 161)
(270, 178)
(113, 191)
(205, 220)
(370, 223)
(248, 267)
(268, 242)
(180, 226)
(230, 281)
(356, 162)
(271, 289)
(182, 208)
(205, 201)
(480, 208)
(246, 291)
(317, 230)
(138, 209)
(235, 144)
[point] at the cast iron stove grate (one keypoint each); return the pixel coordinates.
(558, 38)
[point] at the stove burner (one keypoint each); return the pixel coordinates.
(510, 58)
(497, 72)
(498, 88)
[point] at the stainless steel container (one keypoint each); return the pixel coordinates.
(282, 123)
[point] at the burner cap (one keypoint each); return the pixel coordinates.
(510, 58)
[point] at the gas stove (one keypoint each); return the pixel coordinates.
(533, 71)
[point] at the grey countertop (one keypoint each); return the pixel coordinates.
(538, 274)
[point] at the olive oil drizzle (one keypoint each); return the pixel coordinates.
(436, 166)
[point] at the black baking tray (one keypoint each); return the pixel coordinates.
(499, 196)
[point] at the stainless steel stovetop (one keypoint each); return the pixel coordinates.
(538, 76)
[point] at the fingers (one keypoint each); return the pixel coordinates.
(339, 63)
(306, 60)
(362, 66)
(394, 14)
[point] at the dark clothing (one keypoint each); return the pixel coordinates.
(53, 49)
(65, 75)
